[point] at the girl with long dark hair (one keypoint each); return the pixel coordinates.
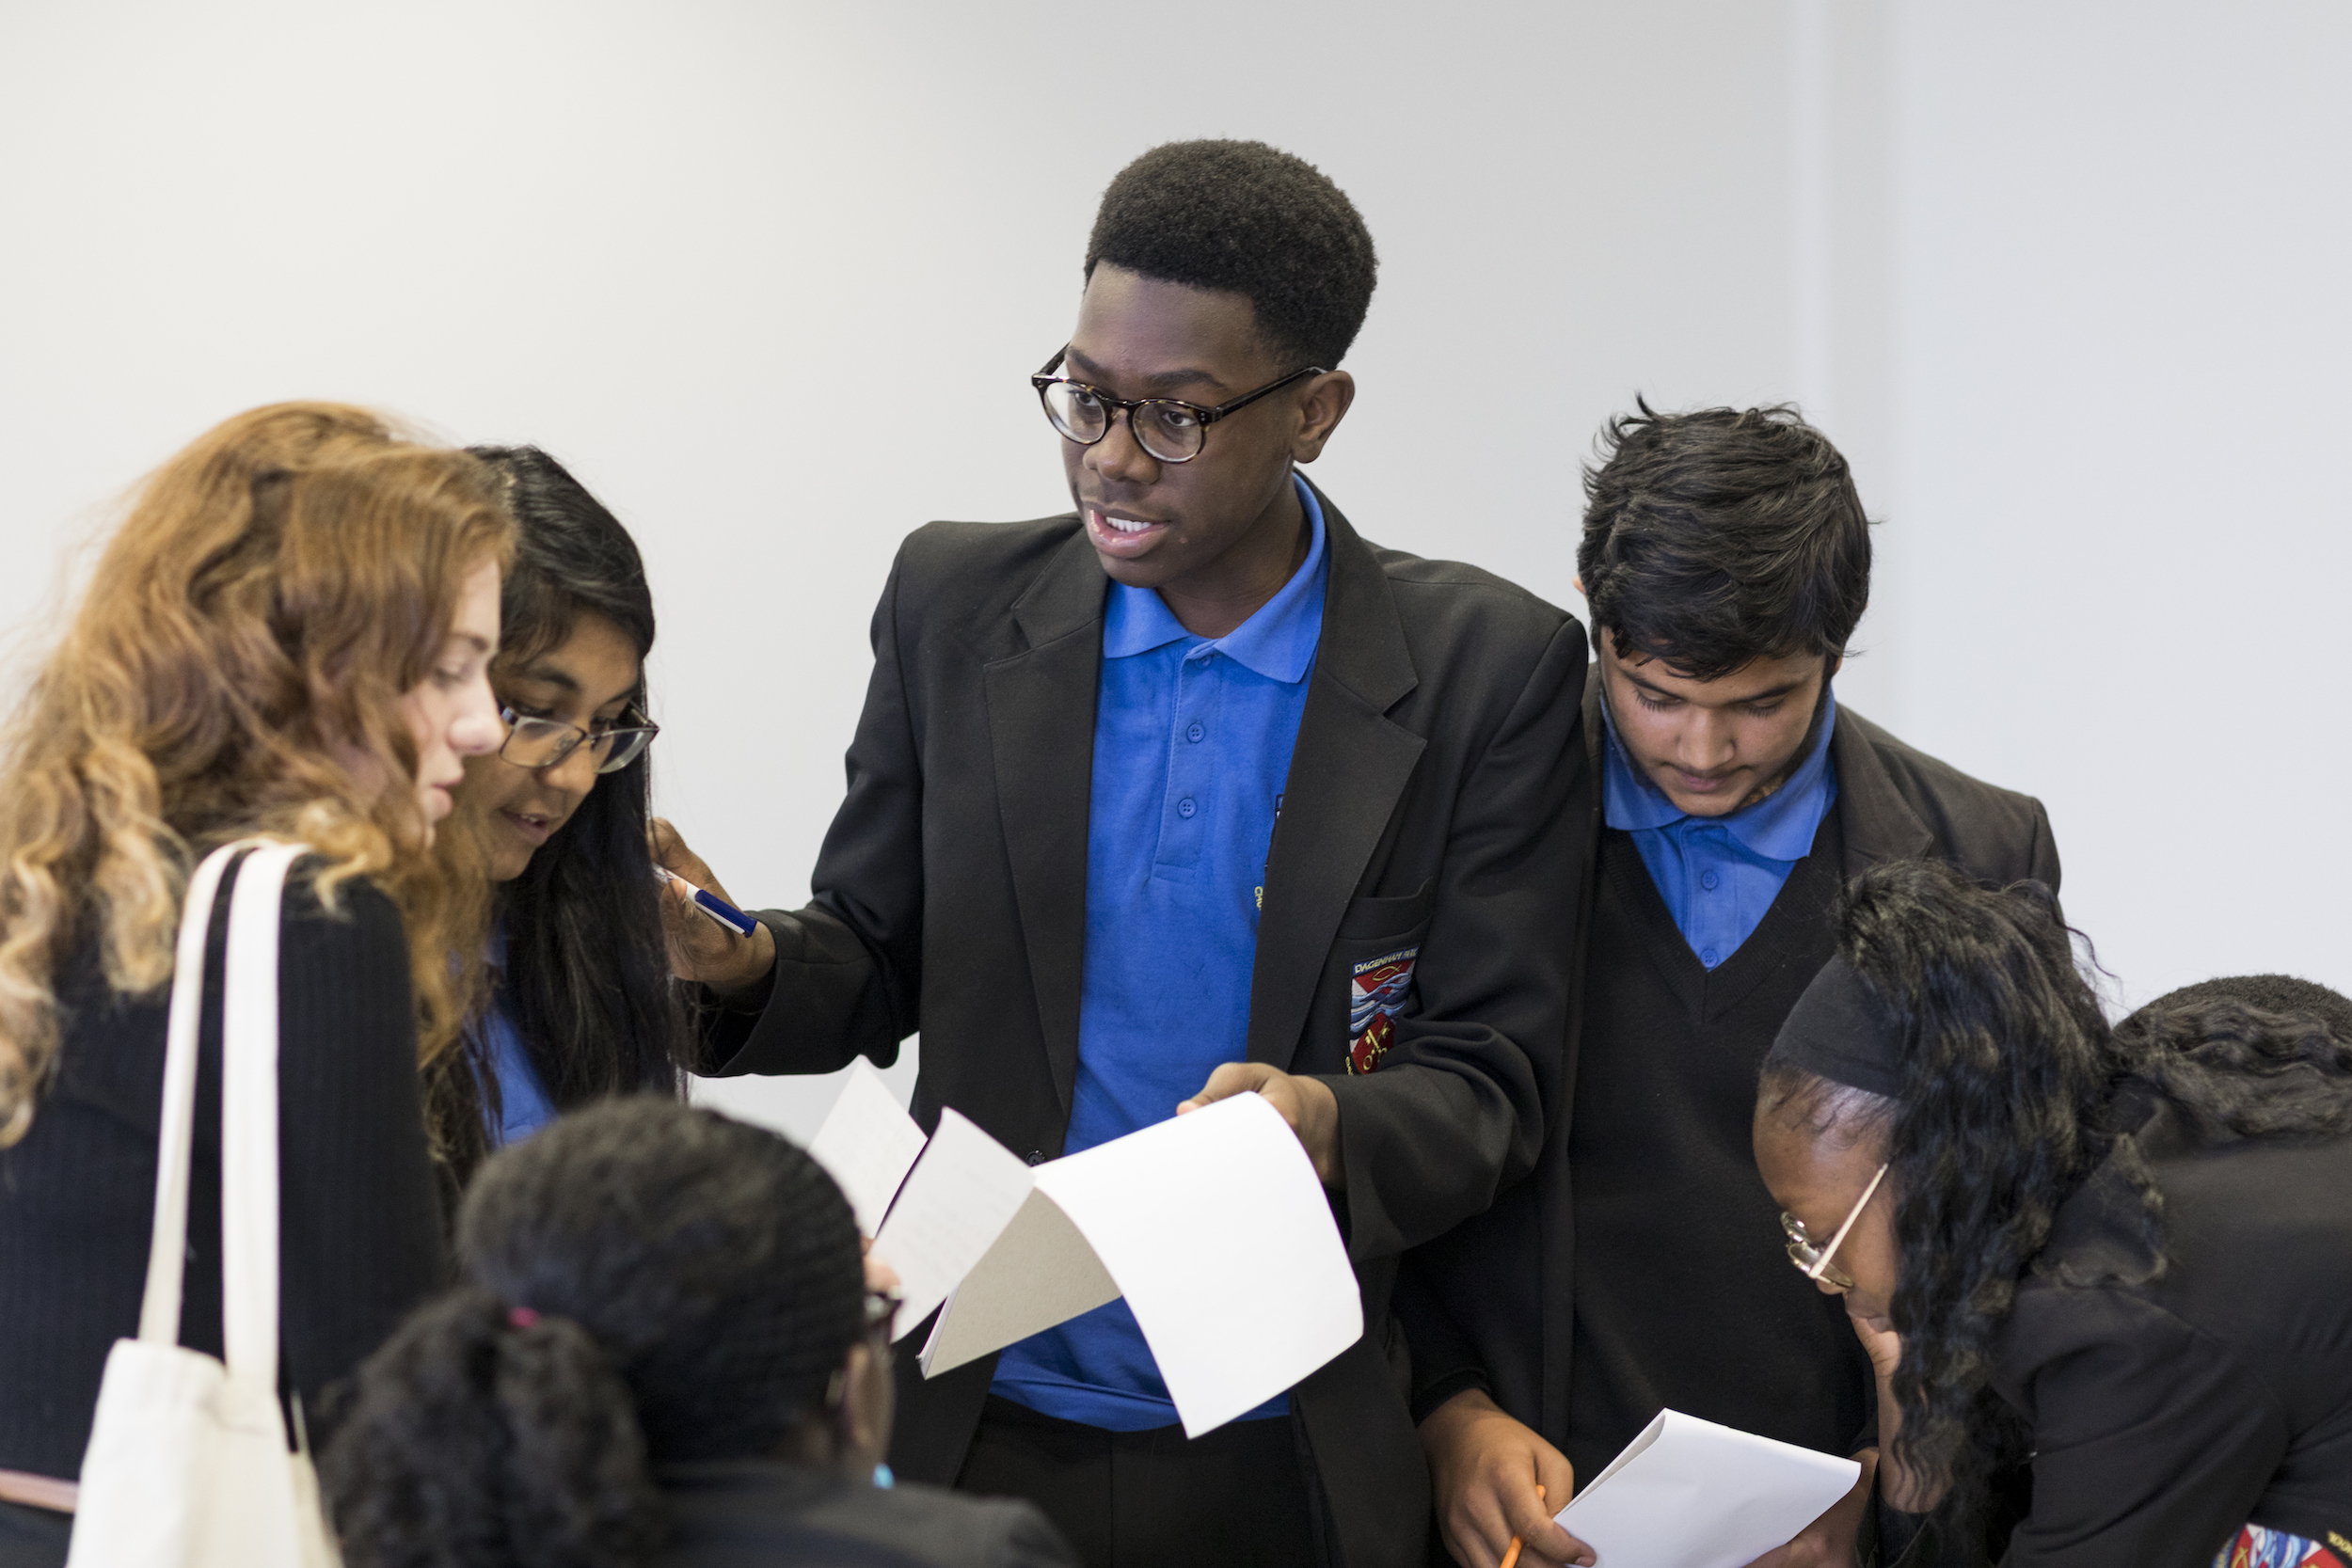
(581, 1004)
(2119, 1258)
(661, 1350)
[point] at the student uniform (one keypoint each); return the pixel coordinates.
(2168, 1412)
(1044, 787)
(1642, 1267)
(361, 1214)
(756, 1513)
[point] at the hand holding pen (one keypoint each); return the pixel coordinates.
(712, 941)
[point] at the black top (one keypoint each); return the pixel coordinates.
(360, 1227)
(1684, 1296)
(1489, 1305)
(764, 1514)
(2167, 1415)
(1426, 807)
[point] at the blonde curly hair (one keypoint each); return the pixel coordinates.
(235, 667)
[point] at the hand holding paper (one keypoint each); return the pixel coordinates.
(1307, 1104)
(1691, 1494)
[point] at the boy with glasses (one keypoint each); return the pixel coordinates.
(1725, 798)
(1185, 793)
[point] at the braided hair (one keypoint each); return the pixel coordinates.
(641, 1284)
(2016, 1091)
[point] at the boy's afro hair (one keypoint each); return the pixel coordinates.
(1248, 219)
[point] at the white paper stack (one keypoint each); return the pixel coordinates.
(1212, 1225)
(1691, 1494)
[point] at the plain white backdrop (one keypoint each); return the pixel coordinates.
(2067, 282)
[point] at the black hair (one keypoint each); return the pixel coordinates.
(1248, 219)
(2016, 1091)
(641, 1284)
(1722, 536)
(587, 979)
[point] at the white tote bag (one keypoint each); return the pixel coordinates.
(189, 1465)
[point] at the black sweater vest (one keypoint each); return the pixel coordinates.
(1685, 1298)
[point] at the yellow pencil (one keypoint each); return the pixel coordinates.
(1511, 1557)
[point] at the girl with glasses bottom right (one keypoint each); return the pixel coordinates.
(2117, 1260)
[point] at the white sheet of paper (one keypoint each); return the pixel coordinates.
(1041, 1271)
(1691, 1494)
(956, 1200)
(1216, 1229)
(867, 1144)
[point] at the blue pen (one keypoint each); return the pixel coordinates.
(712, 905)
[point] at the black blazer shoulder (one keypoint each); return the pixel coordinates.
(1898, 802)
(2232, 1364)
(737, 1514)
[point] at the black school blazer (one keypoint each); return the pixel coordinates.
(1486, 1306)
(1426, 807)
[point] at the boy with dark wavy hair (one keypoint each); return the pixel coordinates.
(1726, 559)
(1192, 791)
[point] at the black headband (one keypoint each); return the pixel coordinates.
(1838, 1031)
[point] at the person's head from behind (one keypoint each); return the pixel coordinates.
(287, 634)
(1215, 270)
(1727, 561)
(642, 1285)
(1954, 1044)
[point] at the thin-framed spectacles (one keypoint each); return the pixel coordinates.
(1814, 1261)
(1168, 428)
(544, 742)
(882, 1313)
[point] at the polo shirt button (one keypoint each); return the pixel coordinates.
(1194, 733)
(1184, 807)
(1707, 880)
(1707, 958)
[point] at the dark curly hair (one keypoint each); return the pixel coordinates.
(641, 1284)
(2015, 1092)
(1722, 536)
(1246, 218)
(587, 978)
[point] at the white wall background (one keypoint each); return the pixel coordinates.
(2066, 281)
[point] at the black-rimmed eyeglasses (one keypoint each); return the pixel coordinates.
(544, 742)
(1168, 429)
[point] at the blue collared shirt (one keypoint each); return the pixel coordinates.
(524, 1103)
(1718, 875)
(1192, 746)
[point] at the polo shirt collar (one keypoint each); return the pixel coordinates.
(1779, 827)
(1277, 642)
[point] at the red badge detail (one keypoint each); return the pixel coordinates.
(1377, 992)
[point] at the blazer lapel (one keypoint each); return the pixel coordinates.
(1878, 823)
(1041, 722)
(1347, 768)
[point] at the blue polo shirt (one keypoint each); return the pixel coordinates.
(1718, 875)
(1192, 746)
(524, 1103)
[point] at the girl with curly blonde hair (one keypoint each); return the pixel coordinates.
(288, 636)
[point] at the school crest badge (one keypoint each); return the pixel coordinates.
(1375, 995)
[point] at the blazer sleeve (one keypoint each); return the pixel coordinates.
(1455, 1114)
(2042, 863)
(360, 1238)
(2152, 1441)
(849, 964)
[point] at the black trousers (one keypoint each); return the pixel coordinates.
(1238, 1495)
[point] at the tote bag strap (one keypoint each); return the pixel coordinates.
(248, 1105)
(168, 1243)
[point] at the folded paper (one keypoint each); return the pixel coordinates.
(1691, 1494)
